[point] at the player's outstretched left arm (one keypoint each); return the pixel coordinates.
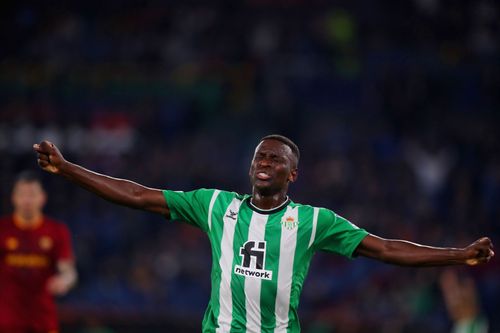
(404, 253)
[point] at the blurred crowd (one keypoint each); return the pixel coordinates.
(395, 107)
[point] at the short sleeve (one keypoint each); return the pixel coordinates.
(191, 207)
(64, 249)
(338, 235)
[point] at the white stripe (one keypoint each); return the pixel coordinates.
(288, 243)
(256, 232)
(315, 222)
(211, 207)
(226, 264)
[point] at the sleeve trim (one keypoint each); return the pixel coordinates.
(357, 242)
(210, 208)
(315, 223)
(173, 214)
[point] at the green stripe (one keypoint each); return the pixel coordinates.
(269, 287)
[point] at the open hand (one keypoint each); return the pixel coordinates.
(59, 285)
(481, 251)
(50, 158)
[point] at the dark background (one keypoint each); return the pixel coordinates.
(395, 106)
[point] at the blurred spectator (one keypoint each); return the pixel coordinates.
(462, 303)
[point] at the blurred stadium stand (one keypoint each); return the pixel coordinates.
(395, 106)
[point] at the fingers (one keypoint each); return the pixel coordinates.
(490, 255)
(43, 157)
(43, 154)
(43, 163)
(484, 245)
(487, 253)
(43, 147)
(485, 241)
(482, 252)
(481, 258)
(48, 156)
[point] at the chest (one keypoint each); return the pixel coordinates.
(26, 242)
(255, 241)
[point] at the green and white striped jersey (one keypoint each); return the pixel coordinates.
(260, 258)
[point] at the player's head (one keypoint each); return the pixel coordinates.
(28, 196)
(274, 164)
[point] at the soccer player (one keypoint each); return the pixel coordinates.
(36, 262)
(262, 244)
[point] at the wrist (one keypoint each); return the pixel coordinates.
(468, 258)
(65, 168)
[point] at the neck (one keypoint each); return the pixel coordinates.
(264, 201)
(27, 220)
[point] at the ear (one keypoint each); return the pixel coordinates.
(292, 177)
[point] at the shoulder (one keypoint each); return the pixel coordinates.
(6, 223)
(5, 219)
(212, 192)
(203, 195)
(54, 223)
(321, 211)
(232, 195)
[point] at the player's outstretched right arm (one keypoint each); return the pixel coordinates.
(120, 191)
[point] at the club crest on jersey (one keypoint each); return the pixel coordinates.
(45, 243)
(253, 259)
(11, 243)
(289, 222)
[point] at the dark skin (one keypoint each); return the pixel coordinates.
(273, 167)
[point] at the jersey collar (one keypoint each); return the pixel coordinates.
(267, 211)
(21, 224)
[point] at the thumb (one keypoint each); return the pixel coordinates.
(47, 145)
(44, 147)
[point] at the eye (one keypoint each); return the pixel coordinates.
(277, 158)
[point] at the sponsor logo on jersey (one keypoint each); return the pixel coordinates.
(27, 260)
(289, 222)
(253, 257)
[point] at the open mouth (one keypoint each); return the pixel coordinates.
(262, 176)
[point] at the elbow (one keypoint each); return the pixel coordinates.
(384, 254)
(391, 254)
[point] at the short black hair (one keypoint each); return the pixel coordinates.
(286, 141)
(28, 176)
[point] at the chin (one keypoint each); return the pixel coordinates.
(266, 189)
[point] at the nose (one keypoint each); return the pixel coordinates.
(264, 162)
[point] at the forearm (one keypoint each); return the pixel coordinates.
(404, 253)
(120, 191)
